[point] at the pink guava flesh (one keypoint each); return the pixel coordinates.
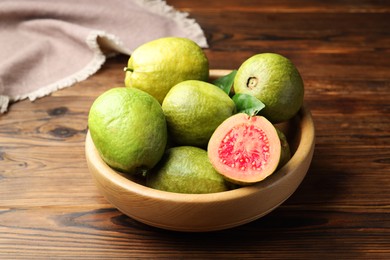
(243, 147)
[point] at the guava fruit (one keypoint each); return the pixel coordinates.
(275, 81)
(285, 153)
(193, 110)
(158, 65)
(186, 169)
(245, 149)
(128, 138)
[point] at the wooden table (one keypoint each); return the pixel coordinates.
(50, 208)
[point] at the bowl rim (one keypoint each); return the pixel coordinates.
(304, 148)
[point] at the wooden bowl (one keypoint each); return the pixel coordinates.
(214, 211)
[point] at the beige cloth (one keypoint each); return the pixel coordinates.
(47, 45)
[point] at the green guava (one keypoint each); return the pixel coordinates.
(128, 128)
(186, 169)
(275, 81)
(245, 149)
(285, 153)
(194, 109)
(158, 65)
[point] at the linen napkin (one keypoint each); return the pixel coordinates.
(47, 45)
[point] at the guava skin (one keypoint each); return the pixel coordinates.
(193, 110)
(285, 154)
(275, 81)
(186, 169)
(158, 65)
(245, 149)
(127, 138)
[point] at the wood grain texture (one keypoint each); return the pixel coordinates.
(50, 208)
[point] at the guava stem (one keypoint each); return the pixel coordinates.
(127, 69)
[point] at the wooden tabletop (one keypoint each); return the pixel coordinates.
(50, 208)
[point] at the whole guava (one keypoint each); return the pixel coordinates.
(194, 109)
(128, 128)
(275, 81)
(285, 153)
(186, 169)
(158, 65)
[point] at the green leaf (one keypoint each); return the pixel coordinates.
(247, 104)
(226, 82)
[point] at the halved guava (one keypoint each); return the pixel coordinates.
(245, 149)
